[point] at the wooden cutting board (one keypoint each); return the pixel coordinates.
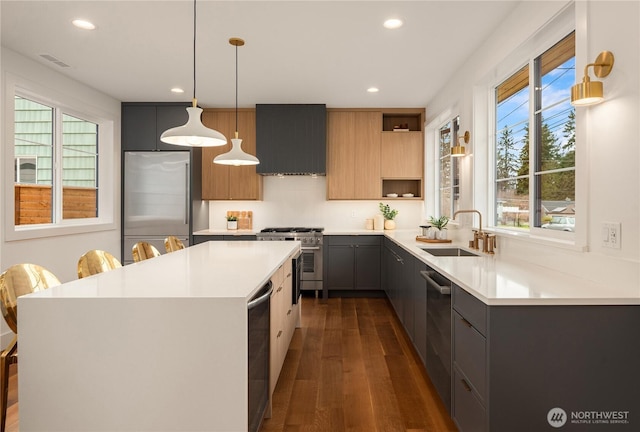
(428, 240)
(245, 218)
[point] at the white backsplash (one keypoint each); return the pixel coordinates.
(301, 201)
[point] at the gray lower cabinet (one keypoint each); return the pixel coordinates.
(512, 365)
(469, 361)
(420, 310)
(395, 263)
(352, 262)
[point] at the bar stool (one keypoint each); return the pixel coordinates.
(173, 243)
(96, 261)
(143, 250)
(16, 281)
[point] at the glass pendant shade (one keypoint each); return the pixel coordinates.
(193, 133)
(236, 156)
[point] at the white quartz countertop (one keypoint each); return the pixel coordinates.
(225, 232)
(221, 269)
(499, 281)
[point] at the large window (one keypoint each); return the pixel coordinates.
(449, 190)
(56, 164)
(535, 143)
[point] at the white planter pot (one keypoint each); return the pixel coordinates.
(232, 225)
(389, 224)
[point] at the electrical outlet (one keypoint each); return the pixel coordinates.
(611, 235)
(353, 213)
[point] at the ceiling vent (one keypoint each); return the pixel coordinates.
(55, 60)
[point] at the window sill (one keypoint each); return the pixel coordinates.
(546, 240)
(41, 231)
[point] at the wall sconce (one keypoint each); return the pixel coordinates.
(459, 150)
(590, 92)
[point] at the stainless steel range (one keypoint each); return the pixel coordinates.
(311, 239)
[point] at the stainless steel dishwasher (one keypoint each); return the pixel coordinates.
(259, 310)
(438, 361)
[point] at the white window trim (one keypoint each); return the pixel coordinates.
(106, 220)
(432, 159)
(484, 131)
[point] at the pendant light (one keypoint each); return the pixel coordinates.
(193, 133)
(236, 156)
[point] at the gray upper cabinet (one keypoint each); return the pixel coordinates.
(291, 139)
(143, 123)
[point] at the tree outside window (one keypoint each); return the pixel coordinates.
(535, 166)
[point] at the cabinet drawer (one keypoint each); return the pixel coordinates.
(469, 353)
(468, 412)
(439, 371)
(472, 309)
(364, 240)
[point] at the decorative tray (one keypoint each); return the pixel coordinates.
(428, 240)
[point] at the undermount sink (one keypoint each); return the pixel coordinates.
(449, 252)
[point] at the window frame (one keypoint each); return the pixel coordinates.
(484, 102)
(453, 188)
(107, 161)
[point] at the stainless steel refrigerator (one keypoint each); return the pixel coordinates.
(157, 198)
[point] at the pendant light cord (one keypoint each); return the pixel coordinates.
(194, 52)
(236, 91)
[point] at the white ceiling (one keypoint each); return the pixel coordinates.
(296, 51)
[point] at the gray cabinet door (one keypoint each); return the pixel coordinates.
(367, 264)
(143, 123)
(340, 265)
(138, 127)
(352, 262)
(420, 311)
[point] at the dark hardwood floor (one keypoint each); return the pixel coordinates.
(350, 367)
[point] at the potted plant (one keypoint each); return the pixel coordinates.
(389, 214)
(232, 222)
(440, 224)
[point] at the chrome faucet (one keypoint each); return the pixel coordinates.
(488, 240)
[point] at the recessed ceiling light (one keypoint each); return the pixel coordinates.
(393, 23)
(373, 89)
(177, 90)
(84, 24)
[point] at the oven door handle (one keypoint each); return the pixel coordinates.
(311, 248)
(263, 298)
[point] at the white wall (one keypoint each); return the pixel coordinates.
(59, 253)
(607, 134)
(301, 201)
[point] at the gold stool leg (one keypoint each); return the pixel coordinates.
(5, 362)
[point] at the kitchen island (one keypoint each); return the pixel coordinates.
(160, 345)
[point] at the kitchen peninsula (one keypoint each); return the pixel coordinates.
(157, 345)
